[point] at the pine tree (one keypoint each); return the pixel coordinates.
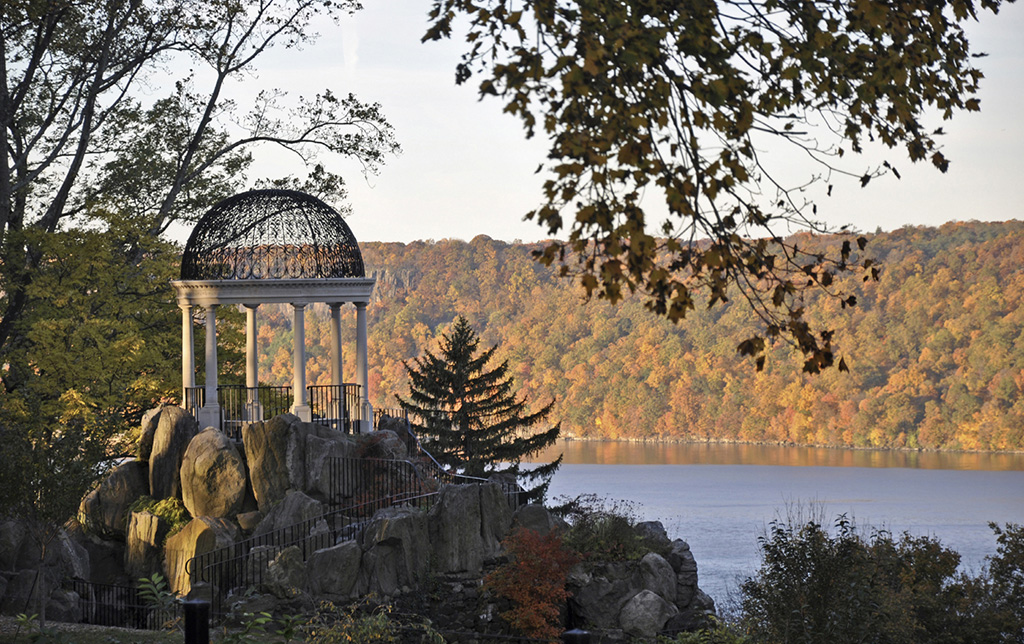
(470, 418)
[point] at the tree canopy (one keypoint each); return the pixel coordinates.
(81, 129)
(681, 101)
(99, 157)
(470, 416)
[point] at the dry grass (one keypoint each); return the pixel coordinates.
(85, 634)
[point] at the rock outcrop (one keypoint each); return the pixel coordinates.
(144, 552)
(174, 431)
(200, 536)
(641, 598)
(147, 430)
(334, 571)
(396, 551)
(104, 510)
(213, 479)
(466, 526)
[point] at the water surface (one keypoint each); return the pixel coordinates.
(720, 498)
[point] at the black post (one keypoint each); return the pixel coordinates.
(197, 621)
(576, 636)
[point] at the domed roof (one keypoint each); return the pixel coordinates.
(271, 234)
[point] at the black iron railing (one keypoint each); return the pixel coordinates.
(244, 564)
(121, 606)
(361, 482)
(336, 406)
(393, 412)
(362, 487)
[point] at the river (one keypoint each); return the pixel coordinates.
(720, 498)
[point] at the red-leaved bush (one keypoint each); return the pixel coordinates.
(534, 581)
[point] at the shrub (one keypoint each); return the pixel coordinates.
(534, 581)
(998, 596)
(718, 633)
(365, 622)
(171, 510)
(814, 586)
(604, 531)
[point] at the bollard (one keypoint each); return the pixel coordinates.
(576, 636)
(197, 622)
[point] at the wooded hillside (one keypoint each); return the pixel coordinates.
(935, 348)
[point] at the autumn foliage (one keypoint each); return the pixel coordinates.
(935, 348)
(534, 581)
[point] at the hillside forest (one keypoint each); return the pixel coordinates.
(935, 347)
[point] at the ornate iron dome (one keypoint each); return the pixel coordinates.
(271, 234)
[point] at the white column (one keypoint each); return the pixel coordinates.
(300, 406)
(209, 415)
(253, 410)
(188, 354)
(362, 378)
(337, 374)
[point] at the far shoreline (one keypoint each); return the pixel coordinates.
(723, 441)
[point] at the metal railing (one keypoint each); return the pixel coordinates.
(393, 412)
(121, 606)
(359, 482)
(244, 563)
(362, 486)
(336, 406)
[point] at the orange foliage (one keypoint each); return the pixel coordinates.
(534, 581)
(936, 348)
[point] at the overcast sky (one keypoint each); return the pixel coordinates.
(466, 168)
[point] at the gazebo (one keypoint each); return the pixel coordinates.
(281, 247)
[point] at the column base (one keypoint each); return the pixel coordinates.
(252, 412)
(366, 419)
(209, 416)
(304, 412)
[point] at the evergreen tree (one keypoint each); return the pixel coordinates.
(470, 416)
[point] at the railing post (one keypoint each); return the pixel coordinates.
(197, 622)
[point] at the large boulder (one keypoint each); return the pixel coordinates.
(321, 450)
(466, 526)
(266, 452)
(685, 567)
(537, 518)
(198, 537)
(382, 443)
(600, 590)
(285, 453)
(64, 606)
(150, 421)
(657, 576)
(12, 535)
(144, 552)
(213, 481)
(645, 614)
(69, 557)
(104, 510)
(286, 573)
(396, 551)
(106, 560)
(292, 510)
(174, 431)
(19, 594)
(695, 616)
(335, 571)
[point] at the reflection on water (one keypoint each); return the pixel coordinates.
(627, 453)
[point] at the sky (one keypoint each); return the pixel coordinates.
(466, 168)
